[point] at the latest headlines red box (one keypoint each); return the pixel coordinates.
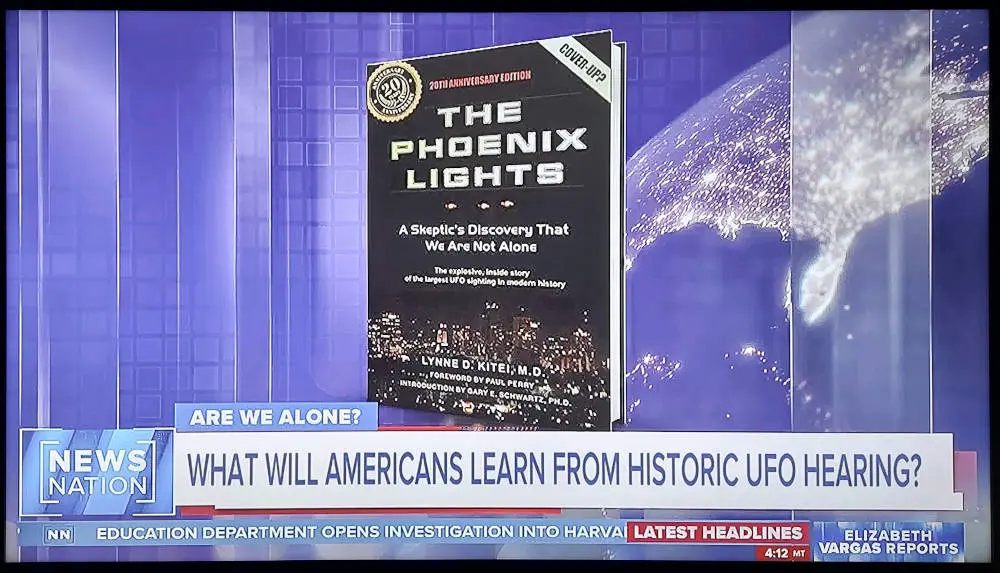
(719, 532)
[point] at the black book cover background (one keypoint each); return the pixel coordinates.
(554, 98)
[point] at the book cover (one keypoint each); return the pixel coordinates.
(494, 233)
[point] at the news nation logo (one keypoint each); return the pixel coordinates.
(72, 473)
(58, 535)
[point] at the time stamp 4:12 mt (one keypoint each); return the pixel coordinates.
(783, 553)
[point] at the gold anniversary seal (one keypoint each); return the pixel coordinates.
(394, 91)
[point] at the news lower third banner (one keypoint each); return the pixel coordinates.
(725, 471)
(769, 541)
(268, 458)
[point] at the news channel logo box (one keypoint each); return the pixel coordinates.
(895, 541)
(75, 473)
(59, 535)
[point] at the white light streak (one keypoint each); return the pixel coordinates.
(118, 233)
(270, 253)
(20, 242)
(42, 367)
(236, 242)
(177, 222)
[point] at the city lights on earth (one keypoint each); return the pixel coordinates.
(865, 112)
(644, 375)
(862, 129)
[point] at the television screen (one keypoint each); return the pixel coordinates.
(654, 286)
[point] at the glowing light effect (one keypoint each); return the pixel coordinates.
(771, 371)
(960, 110)
(653, 371)
(645, 375)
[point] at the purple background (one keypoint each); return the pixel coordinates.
(185, 207)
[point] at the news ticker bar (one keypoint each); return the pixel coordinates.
(770, 541)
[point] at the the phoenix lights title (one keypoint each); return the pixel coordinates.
(518, 146)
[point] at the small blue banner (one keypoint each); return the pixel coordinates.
(316, 531)
(271, 417)
(863, 541)
(70, 473)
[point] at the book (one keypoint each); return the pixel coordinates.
(495, 233)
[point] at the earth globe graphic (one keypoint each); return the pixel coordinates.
(750, 216)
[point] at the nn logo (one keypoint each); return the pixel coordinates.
(58, 535)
